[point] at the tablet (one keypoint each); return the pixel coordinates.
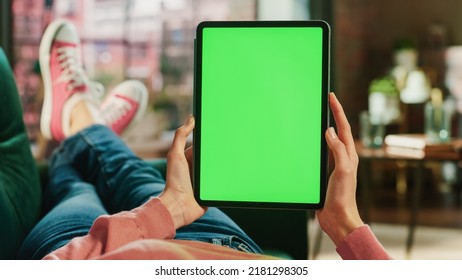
(260, 104)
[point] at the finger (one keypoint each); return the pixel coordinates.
(189, 157)
(343, 126)
(181, 134)
(189, 153)
(339, 152)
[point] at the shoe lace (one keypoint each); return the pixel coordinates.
(72, 73)
(113, 113)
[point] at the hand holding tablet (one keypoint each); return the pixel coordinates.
(260, 104)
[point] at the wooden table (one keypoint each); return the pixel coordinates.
(367, 156)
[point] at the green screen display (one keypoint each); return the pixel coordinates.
(261, 119)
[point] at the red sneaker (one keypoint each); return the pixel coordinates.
(124, 106)
(65, 81)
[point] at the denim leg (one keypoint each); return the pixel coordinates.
(124, 181)
(73, 206)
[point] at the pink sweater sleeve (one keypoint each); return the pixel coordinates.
(361, 244)
(108, 233)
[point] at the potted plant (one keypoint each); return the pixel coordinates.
(384, 100)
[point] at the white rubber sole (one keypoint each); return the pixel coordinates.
(44, 60)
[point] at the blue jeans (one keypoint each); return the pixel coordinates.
(94, 173)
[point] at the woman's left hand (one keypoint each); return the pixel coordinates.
(178, 195)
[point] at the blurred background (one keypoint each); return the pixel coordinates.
(393, 63)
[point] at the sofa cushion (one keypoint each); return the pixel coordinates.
(20, 192)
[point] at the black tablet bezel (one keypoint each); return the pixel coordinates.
(197, 101)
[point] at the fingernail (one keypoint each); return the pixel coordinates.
(190, 120)
(332, 133)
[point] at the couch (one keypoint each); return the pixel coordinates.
(278, 232)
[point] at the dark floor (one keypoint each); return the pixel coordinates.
(440, 205)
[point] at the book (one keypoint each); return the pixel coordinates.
(405, 152)
(419, 142)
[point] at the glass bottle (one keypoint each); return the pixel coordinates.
(437, 118)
